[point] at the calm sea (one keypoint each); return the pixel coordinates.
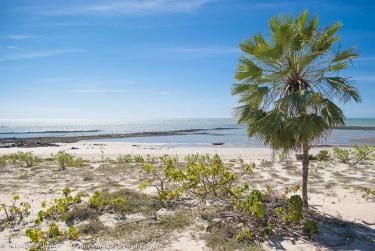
(230, 137)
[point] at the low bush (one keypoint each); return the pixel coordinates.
(64, 159)
(16, 211)
(368, 194)
(310, 227)
(26, 159)
(341, 154)
(323, 155)
(251, 216)
(41, 239)
(362, 152)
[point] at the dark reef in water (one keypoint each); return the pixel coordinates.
(52, 141)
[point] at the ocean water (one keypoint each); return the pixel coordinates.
(236, 136)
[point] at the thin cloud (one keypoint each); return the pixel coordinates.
(38, 54)
(17, 37)
(127, 7)
(102, 91)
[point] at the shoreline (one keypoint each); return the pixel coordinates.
(52, 141)
(45, 141)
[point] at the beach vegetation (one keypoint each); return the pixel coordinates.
(41, 239)
(123, 159)
(64, 159)
(341, 154)
(16, 211)
(311, 227)
(251, 215)
(368, 193)
(323, 155)
(362, 152)
(26, 159)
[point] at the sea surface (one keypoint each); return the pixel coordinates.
(234, 135)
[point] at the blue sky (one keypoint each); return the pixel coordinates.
(139, 59)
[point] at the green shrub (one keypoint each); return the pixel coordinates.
(22, 158)
(164, 178)
(53, 231)
(16, 211)
(96, 200)
(64, 159)
(341, 154)
(124, 159)
(310, 227)
(368, 193)
(73, 233)
(362, 152)
(38, 239)
(253, 204)
(245, 234)
(323, 156)
(138, 159)
(295, 205)
(3, 161)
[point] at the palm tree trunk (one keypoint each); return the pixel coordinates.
(305, 173)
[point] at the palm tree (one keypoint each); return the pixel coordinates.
(289, 84)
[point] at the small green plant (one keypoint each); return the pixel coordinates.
(291, 189)
(58, 207)
(164, 178)
(22, 158)
(295, 205)
(54, 231)
(254, 204)
(138, 159)
(368, 194)
(38, 238)
(323, 156)
(124, 159)
(17, 211)
(362, 152)
(310, 227)
(245, 234)
(341, 154)
(3, 161)
(73, 233)
(96, 200)
(64, 159)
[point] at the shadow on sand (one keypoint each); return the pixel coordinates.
(334, 234)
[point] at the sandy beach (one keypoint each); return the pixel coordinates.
(335, 189)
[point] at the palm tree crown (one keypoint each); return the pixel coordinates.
(289, 84)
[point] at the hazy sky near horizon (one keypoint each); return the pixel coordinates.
(137, 59)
